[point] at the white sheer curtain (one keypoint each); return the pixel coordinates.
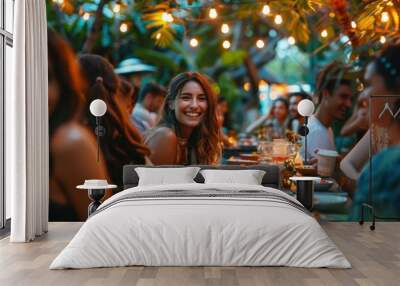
(27, 124)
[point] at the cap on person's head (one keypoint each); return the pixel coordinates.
(132, 66)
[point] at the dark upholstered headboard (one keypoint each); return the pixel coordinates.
(271, 178)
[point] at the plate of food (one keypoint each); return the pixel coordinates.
(307, 170)
(250, 156)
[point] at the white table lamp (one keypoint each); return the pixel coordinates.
(305, 108)
(98, 108)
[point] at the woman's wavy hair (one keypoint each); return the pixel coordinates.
(206, 138)
(122, 143)
(66, 71)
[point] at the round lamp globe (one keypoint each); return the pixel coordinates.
(98, 107)
(306, 107)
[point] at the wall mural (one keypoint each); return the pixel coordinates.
(175, 85)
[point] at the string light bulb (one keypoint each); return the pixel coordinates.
(260, 44)
(213, 13)
(123, 27)
(291, 40)
(385, 17)
(226, 44)
(86, 16)
(266, 10)
(324, 33)
(194, 42)
(225, 28)
(278, 19)
(246, 86)
(117, 8)
(167, 17)
(382, 39)
(158, 36)
(353, 24)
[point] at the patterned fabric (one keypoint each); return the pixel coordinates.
(385, 190)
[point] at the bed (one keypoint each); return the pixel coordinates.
(201, 224)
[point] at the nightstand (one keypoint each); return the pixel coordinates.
(96, 190)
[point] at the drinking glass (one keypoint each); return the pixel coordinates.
(265, 150)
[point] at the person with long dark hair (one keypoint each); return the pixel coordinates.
(72, 145)
(122, 143)
(127, 94)
(188, 132)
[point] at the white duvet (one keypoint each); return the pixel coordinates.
(188, 231)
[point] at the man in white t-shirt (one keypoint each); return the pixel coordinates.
(335, 98)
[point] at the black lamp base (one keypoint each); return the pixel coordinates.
(95, 196)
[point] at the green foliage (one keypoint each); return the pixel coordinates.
(233, 58)
(228, 88)
(166, 44)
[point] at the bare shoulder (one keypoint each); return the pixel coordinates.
(72, 136)
(163, 134)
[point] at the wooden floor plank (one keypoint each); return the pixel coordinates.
(375, 257)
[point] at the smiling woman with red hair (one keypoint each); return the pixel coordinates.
(188, 132)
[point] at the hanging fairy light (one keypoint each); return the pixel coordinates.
(260, 44)
(291, 40)
(359, 85)
(86, 16)
(225, 28)
(382, 39)
(158, 36)
(266, 10)
(353, 24)
(212, 13)
(167, 17)
(123, 27)
(385, 17)
(324, 33)
(117, 8)
(194, 42)
(226, 44)
(246, 86)
(278, 19)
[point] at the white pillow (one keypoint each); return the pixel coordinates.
(248, 177)
(166, 176)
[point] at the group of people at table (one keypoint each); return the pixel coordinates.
(182, 125)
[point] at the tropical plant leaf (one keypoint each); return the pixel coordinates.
(158, 58)
(233, 58)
